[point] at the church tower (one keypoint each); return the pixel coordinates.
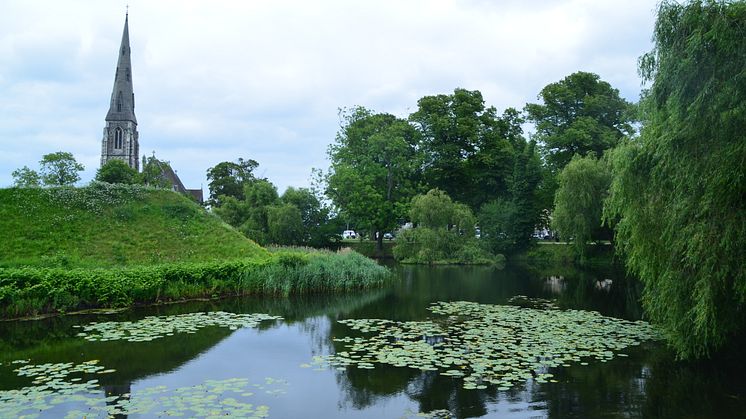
(120, 134)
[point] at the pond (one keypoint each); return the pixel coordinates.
(259, 357)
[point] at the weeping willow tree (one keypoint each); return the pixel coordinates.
(583, 185)
(678, 191)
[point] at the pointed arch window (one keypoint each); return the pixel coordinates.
(128, 73)
(118, 136)
(120, 102)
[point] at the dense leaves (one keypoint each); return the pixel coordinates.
(443, 233)
(467, 148)
(581, 114)
(374, 168)
(229, 179)
(26, 178)
(583, 186)
(678, 192)
(60, 168)
(117, 171)
(508, 222)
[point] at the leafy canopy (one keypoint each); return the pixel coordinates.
(117, 171)
(467, 148)
(26, 178)
(59, 169)
(374, 168)
(583, 186)
(678, 191)
(580, 114)
(229, 179)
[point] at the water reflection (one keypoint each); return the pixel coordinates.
(647, 383)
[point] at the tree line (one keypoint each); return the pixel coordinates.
(663, 178)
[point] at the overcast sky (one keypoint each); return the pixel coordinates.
(218, 80)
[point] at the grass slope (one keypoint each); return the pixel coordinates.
(66, 249)
(106, 225)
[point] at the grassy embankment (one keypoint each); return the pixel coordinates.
(103, 246)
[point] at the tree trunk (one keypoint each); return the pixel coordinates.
(379, 245)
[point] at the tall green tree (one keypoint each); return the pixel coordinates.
(229, 179)
(374, 169)
(259, 196)
(508, 222)
(117, 171)
(583, 187)
(285, 225)
(677, 192)
(60, 168)
(26, 178)
(580, 114)
(467, 148)
(319, 230)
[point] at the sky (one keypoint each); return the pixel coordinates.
(264, 80)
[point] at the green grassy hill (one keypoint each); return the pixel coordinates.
(105, 225)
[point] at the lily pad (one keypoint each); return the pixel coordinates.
(484, 344)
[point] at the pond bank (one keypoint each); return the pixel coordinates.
(33, 291)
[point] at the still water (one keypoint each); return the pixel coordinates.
(268, 360)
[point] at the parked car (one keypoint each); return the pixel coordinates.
(349, 234)
(388, 236)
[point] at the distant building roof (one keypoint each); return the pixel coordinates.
(170, 175)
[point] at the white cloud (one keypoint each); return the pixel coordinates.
(263, 80)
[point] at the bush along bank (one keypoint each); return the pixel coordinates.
(33, 291)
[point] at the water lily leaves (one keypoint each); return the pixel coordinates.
(61, 384)
(156, 327)
(484, 344)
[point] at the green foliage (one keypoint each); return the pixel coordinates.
(444, 233)
(117, 171)
(581, 114)
(497, 224)
(26, 178)
(583, 186)
(319, 228)
(230, 179)
(433, 210)
(374, 164)
(31, 291)
(467, 148)
(508, 222)
(153, 173)
(111, 224)
(249, 215)
(285, 225)
(677, 193)
(59, 169)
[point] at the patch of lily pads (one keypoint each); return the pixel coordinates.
(64, 386)
(484, 344)
(156, 327)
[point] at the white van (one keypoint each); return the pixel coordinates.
(349, 234)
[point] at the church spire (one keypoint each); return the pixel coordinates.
(122, 106)
(121, 139)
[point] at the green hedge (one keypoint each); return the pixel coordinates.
(32, 291)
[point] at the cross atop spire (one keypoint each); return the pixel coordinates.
(122, 106)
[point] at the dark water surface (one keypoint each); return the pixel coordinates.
(647, 383)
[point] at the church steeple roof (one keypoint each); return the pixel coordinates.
(122, 107)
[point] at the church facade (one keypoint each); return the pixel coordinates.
(121, 139)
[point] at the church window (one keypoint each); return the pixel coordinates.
(118, 138)
(119, 102)
(128, 74)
